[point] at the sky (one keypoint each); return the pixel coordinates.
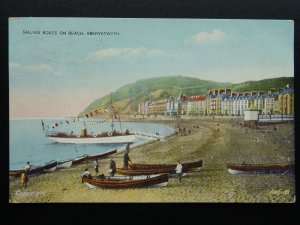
(57, 69)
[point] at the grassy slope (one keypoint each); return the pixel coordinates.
(127, 98)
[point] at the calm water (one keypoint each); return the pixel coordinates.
(27, 141)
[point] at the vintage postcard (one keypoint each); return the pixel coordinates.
(151, 110)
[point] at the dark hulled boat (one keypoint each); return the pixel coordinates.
(80, 159)
(159, 180)
(259, 168)
(102, 155)
(34, 170)
(147, 169)
(84, 158)
(137, 166)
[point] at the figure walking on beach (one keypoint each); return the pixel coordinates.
(179, 170)
(112, 167)
(128, 147)
(96, 166)
(24, 180)
(126, 160)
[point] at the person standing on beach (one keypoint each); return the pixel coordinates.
(179, 170)
(112, 167)
(96, 165)
(126, 160)
(24, 180)
(27, 168)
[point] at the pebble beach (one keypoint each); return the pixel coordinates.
(214, 140)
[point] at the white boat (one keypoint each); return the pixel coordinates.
(64, 164)
(108, 137)
(50, 170)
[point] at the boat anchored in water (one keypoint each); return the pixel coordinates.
(85, 137)
(92, 138)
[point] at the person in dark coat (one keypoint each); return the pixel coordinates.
(112, 167)
(126, 160)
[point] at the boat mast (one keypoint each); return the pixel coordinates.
(111, 114)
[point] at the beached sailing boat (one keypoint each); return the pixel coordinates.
(108, 137)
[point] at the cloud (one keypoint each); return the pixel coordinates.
(129, 52)
(202, 38)
(157, 52)
(30, 67)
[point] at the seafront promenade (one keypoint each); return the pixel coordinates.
(215, 140)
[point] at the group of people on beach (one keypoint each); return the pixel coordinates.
(112, 168)
(112, 165)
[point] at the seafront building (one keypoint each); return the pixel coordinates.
(224, 102)
(196, 105)
(286, 101)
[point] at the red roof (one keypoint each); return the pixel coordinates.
(199, 98)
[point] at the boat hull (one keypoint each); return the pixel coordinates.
(145, 169)
(34, 170)
(159, 180)
(84, 158)
(259, 168)
(185, 166)
(94, 140)
(64, 164)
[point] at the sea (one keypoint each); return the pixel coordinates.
(28, 143)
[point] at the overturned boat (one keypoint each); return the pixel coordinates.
(157, 180)
(245, 168)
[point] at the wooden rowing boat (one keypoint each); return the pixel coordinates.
(34, 170)
(185, 166)
(83, 158)
(157, 180)
(141, 169)
(244, 168)
(64, 164)
(80, 159)
(102, 155)
(50, 170)
(131, 172)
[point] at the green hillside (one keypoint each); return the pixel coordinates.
(126, 99)
(263, 85)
